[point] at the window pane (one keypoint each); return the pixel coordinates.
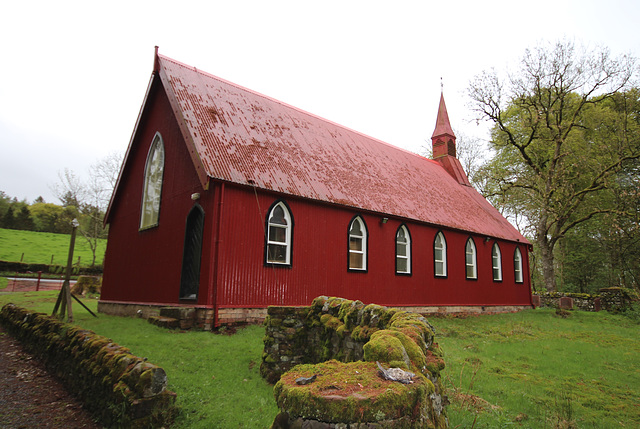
(355, 260)
(469, 258)
(401, 249)
(355, 228)
(401, 236)
(278, 216)
(470, 271)
(439, 268)
(402, 265)
(355, 244)
(437, 254)
(277, 253)
(278, 234)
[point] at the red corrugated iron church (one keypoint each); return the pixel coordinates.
(229, 201)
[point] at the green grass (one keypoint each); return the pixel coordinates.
(536, 370)
(529, 369)
(38, 247)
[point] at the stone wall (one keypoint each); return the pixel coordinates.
(611, 299)
(348, 333)
(617, 299)
(120, 389)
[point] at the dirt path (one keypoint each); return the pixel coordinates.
(30, 397)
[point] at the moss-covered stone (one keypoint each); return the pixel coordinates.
(384, 346)
(335, 328)
(349, 393)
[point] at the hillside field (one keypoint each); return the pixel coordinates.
(42, 247)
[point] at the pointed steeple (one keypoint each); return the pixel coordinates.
(444, 145)
(442, 122)
(443, 139)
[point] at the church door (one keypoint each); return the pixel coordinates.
(190, 278)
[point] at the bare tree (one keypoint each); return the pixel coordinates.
(90, 197)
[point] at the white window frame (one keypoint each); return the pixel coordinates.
(496, 262)
(407, 250)
(517, 266)
(362, 238)
(471, 260)
(272, 241)
(440, 262)
(152, 184)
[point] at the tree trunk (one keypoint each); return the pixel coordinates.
(546, 257)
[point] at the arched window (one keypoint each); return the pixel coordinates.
(152, 187)
(496, 262)
(517, 266)
(279, 233)
(440, 255)
(403, 251)
(357, 245)
(471, 263)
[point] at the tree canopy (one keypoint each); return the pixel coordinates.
(565, 136)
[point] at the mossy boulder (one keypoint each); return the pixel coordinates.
(91, 285)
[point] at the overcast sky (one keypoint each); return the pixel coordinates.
(73, 74)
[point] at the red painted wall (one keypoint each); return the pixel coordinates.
(319, 260)
(145, 266)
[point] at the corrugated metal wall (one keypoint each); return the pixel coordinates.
(319, 260)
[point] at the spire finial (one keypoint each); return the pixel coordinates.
(441, 85)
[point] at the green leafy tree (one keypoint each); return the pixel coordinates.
(5, 201)
(50, 217)
(8, 219)
(562, 133)
(23, 219)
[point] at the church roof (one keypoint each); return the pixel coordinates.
(240, 136)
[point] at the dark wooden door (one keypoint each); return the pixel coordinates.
(190, 278)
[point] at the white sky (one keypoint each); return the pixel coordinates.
(73, 74)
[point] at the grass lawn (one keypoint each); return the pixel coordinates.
(530, 369)
(537, 370)
(38, 247)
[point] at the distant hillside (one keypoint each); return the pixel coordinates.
(38, 247)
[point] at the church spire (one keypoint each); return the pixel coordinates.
(443, 139)
(444, 145)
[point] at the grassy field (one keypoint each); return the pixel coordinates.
(531, 369)
(39, 247)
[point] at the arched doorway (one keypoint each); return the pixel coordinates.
(190, 277)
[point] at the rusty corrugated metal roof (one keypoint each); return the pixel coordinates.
(244, 137)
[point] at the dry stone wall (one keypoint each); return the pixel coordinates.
(612, 299)
(120, 389)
